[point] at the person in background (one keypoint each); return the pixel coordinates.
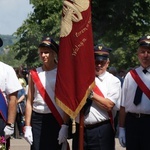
(114, 71)
(26, 88)
(25, 73)
(20, 112)
(134, 120)
(103, 101)
(9, 86)
(22, 75)
(41, 124)
(122, 73)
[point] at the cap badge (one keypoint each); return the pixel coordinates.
(148, 37)
(100, 47)
(47, 42)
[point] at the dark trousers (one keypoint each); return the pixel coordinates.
(137, 133)
(97, 138)
(45, 130)
(2, 126)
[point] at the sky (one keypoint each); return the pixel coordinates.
(12, 15)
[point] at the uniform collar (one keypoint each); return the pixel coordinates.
(102, 76)
(148, 68)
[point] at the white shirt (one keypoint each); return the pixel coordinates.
(110, 86)
(128, 93)
(9, 82)
(48, 79)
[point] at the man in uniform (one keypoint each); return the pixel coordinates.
(9, 85)
(101, 105)
(134, 120)
(99, 131)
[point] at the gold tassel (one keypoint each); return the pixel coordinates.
(73, 126)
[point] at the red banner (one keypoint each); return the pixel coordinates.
(76, 71)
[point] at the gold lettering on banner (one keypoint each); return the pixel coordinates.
(72, 13)
(77, 34)
(77, 47)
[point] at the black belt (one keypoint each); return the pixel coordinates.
(90, 126)
(138, 115)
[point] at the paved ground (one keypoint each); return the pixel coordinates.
(21, 144)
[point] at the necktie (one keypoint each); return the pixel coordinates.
(138, 93)
(145, 71)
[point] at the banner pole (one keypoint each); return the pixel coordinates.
(81, 130)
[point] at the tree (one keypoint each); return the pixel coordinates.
(119, 24)
(44, 21)
(116, 23)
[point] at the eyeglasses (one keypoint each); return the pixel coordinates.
(100, 62)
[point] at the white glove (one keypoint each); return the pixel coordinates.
(8, 131)
(28, 134)
(63, 134)
(122, 138)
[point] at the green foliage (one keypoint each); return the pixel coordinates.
(7, 41)
(116, 23)
(119, 24)
(6, 54)
(9, 58)
(44, 21)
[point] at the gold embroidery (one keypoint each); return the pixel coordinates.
(72, 13)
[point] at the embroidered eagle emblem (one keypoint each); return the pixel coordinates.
(72, 13)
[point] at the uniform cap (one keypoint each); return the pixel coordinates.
(144, 41)
(101, 52)
(49, 42)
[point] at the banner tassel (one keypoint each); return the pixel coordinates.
(73, 126)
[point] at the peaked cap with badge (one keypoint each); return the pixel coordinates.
(101, 52)
(144, 41)
(49, 42)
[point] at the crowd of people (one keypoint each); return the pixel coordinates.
(118, 105)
